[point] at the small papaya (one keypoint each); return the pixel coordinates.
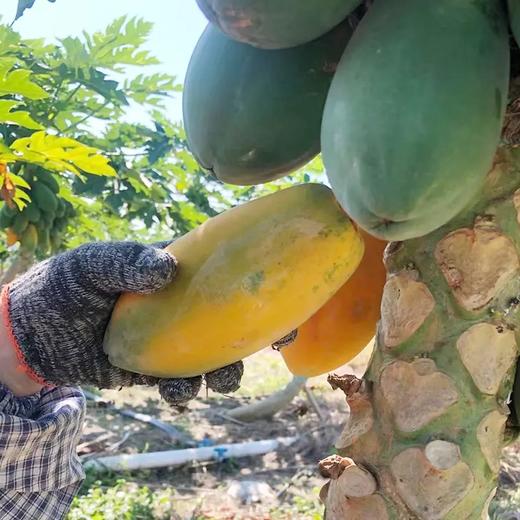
(20, 222)
(49, 180)
(44, 197)
(29, 239)
(11, 237)
(32, 212)
(271, 24)
(343, 327)
(246, 278)
(43, 239)
(6, 216)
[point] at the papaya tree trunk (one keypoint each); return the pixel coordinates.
(428, 422)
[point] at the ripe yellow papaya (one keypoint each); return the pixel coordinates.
(246, 278)
(343, 327)
(11, 237)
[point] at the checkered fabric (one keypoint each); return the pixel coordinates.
(40, 472)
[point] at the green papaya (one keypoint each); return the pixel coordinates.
(70, 211)
(32, 212)
(60, 224)
(60, 210)
(49, 180)
(44, 197)
(43, 239)
(6, 216)
(20, 223)
(29, 239)
(55, 241)
(414, 112)
(254, 115)
(47, 219)
(269, 25)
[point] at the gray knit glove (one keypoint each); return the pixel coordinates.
(58, 311)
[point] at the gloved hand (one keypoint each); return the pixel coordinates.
(56, 315)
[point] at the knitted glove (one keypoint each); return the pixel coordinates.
(56, 315)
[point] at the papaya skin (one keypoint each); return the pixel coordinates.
(344, 326)
(251, 115)
(246, 278)
(398, 152)
(269, 25)
(11, 237)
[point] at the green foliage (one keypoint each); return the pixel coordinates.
(64, 109)
(121, 501)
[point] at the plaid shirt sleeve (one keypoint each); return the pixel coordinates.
(40, 472)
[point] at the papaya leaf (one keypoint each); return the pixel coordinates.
(76, 55)
(21, 198)
(18, 117)
(9, 38)
(61, 154)
(18, 181)
(18, 82)
(120, 44)
(96, 80)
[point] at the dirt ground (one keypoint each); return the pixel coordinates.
(282, 485)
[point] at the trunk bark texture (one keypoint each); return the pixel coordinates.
(429, 420)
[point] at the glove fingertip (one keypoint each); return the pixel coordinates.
(179, 391)
(226, 379)
(156, 268)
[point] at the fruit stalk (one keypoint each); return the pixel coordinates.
(429, 420)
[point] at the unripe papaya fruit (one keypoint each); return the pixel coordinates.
(60, 210)
(32, 212)
(253, 115)
(47, 220)
(514, 18)
(44, 197)
(29, 240)
(343, 327)
(55, 241)
(415, 78)
(271, 24)
(20, 223)
(246, 278)
(6, 216)
(49, 180)
(43, 238)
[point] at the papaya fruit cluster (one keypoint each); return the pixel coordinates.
(39, 226)
(405, 99)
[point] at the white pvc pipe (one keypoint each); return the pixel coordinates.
(178, 457)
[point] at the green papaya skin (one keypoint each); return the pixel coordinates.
(6, 217)
(271, 24)
(513, 7)
(45, 199)
(254, 115)
(414, 113)
(20, 223)
(32, 212)
(49, 180)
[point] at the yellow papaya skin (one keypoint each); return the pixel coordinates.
(246, 278)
